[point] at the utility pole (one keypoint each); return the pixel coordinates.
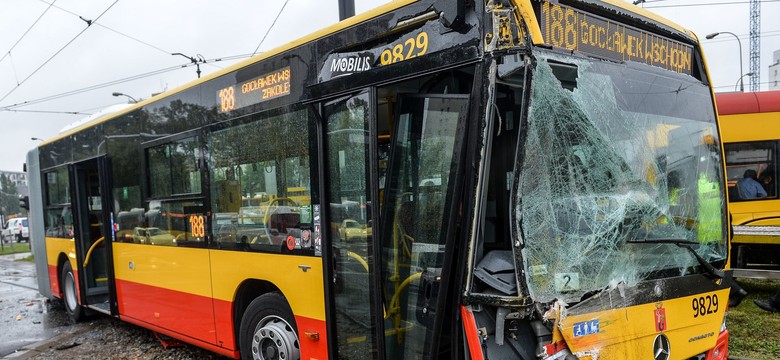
(755, 45)
(346, 9)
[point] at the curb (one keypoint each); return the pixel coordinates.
(42, 346)
(15, 256)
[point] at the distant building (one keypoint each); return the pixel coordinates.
(774, 71)
(19, 179)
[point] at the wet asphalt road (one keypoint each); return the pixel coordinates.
(24, 315)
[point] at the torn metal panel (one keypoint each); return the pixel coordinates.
(506, 31)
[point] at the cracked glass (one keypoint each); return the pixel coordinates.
(615, 156)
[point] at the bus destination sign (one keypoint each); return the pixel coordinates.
(573, 29)
(254, 91)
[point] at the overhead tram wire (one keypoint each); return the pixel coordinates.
(116, 82)
(270, 27)
(117, 31)
(93, 87)
(89, 23)
(7, 53)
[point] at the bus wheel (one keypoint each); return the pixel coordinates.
(69, 295)
(268, 330)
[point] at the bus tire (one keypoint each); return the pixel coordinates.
(268, 330)
(69, 294)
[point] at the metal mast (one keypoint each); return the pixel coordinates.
(755, 44)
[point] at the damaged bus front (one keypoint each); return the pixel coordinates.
(600, 221)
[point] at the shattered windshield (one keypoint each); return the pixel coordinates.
(614, 157)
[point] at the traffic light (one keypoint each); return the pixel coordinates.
(24, 202)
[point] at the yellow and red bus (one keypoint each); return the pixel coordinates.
(483, 180)
(750, 124)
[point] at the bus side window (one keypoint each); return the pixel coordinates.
(756, 156)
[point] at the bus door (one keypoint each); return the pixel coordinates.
(92, 220)
(389, 286)
(418, 223)
(350, 205)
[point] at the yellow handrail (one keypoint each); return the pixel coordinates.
(405, 283)
(89, 253)
(359, 259)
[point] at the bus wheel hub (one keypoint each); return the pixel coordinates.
(274, 339)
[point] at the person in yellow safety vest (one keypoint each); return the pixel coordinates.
(710, 227)
(709, 224)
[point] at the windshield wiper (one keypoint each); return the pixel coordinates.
(686, 244)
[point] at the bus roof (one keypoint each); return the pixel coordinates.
(354, 20)
(524, 6)
(748, 102)
(643, 13)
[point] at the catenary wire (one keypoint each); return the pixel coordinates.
(270, 27)
(115, 82)
(59, 51)
(7, 53)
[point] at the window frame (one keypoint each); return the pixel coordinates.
(772, 163)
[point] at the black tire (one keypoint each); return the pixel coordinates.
(69, 294)
(268, 330)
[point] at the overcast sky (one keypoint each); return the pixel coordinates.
(132, 38)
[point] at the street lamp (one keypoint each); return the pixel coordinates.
(36, 139)
(739, 82)
(713, 35)
(132, 99)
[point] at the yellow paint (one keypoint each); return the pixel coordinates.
(744, 128)
(169, 267)
(525, 11)
(303, 290)
(57, 246)
(628, 333)
(750, 127)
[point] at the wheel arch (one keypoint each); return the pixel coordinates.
(249, 290)
(62, 258)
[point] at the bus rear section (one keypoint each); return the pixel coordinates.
(749, 124)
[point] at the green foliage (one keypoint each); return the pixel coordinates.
(14, 248)
(753, 333)
(9, 199)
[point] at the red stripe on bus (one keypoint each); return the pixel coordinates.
(223, 317)
(187, 317)
(184, 313)
(312, 335)
(472, 336)
(54, 281)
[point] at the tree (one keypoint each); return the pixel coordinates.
(9, 199)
